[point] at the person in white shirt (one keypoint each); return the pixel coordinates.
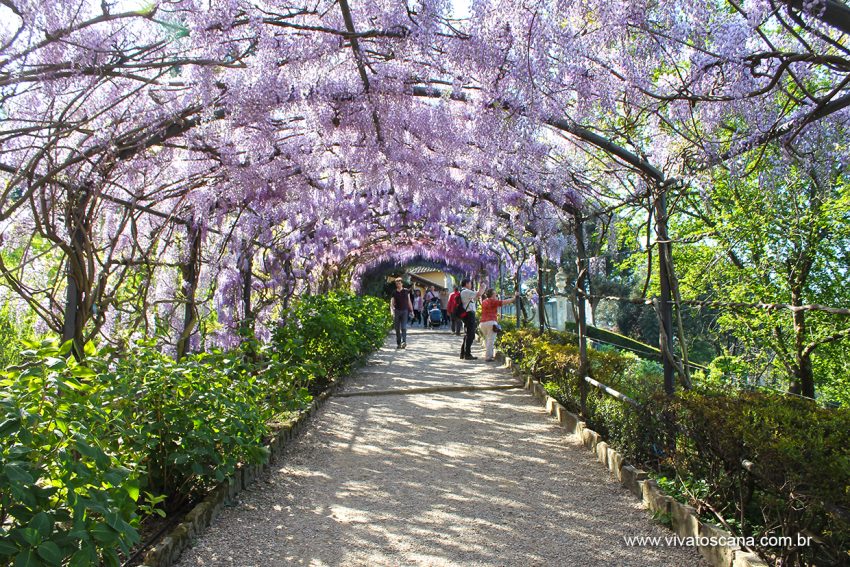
(469, 298)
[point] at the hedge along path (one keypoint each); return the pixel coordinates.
(447, 476)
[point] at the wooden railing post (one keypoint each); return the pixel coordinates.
(666, 304)
(541, 305)
(581, 323)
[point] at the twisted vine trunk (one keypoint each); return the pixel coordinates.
(76, 314)
(191, 273)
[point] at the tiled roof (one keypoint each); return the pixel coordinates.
(422, 270)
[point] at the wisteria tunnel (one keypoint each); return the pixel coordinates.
(206, 205)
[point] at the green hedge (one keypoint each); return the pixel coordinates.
(799, 480)
(88, 451)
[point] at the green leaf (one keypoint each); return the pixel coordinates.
(29, 535)
(132, 488)
(104, 534)
(56, 363)
(28, 558)
(51, 553)
(94, 453)
(80, 371)
(85, 557)
(42, 523)
(17, 473)
(110, 558)
(66, 347)
(8, 426)
(7, 548)
(112, 520)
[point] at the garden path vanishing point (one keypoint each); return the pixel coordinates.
(476, 477)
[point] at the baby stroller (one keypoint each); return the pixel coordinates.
(435, 313)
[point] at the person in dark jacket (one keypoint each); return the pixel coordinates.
(401, 307)
(469, 298)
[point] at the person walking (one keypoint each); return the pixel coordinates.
(401, 307)
(457, 322)
(489, 320)
(417, 307)
(469, 297)
(444, 307)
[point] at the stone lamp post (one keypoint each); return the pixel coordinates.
(561, 281)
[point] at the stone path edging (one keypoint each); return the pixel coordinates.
(684, 519)
(169, 549)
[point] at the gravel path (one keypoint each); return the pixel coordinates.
(461, 478)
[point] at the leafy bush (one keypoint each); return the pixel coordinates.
(67, 494)
(87, 451)
(765, 464)
(776, 465)
(329, 332)
(194, 420)
(12, 335)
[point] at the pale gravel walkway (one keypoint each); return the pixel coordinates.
(456, 478)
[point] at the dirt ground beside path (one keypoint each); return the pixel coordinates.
(457, 478)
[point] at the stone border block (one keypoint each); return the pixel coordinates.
(630, 477)
(654, 499)
(589, 438)
(615, 463)
(747, 559)
(717, 554)
(684, 517)
(552, 405)
(602, 453)
(568, 419)
(540, 392)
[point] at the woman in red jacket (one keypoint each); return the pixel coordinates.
(457, 323)
(489, 314)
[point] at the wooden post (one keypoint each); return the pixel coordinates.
(501, 285)
(666, 305)
(541, 304)
(519, 302)
(287, 289)
(581, 323)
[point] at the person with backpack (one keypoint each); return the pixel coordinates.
(457, 322)
(489, 315)
(466, 310)
(401, 308)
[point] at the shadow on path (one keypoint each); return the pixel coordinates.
(481, 477)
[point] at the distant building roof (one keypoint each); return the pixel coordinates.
(423, 270)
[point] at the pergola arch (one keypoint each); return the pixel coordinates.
(280, 127)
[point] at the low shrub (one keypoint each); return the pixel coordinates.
(777, 465)
(329, 332)
(194, 420)
(761, 464)
(68, 489)
(87, 451)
